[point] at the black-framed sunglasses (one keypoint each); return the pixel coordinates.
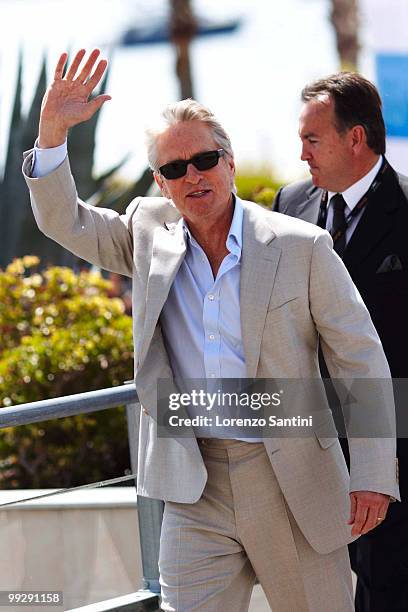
(202, 161)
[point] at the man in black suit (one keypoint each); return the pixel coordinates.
(363, 202)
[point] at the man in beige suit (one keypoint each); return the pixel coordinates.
(223, 288)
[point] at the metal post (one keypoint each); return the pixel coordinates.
(150, 512)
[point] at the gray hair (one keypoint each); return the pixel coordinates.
(177, 112)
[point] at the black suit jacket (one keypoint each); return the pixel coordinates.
(376, 256)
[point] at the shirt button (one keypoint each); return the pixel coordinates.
(211, 337)
(211, 296)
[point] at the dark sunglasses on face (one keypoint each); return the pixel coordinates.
(202, 161)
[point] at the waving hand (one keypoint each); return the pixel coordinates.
(67, 100)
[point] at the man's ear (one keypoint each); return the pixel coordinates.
(231, 165)
(161, 184)
(358, 138)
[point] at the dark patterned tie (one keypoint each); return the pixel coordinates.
(339, 222)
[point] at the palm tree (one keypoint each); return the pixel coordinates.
(183, 27)
(345, 19)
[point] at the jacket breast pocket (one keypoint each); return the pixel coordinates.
(282, 304)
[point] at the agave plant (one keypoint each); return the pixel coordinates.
(19, 235)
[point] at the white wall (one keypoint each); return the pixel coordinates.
(84, 543)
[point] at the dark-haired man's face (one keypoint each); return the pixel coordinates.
(328, 152)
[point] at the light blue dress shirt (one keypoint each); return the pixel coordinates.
(201, 317)
(201, 320)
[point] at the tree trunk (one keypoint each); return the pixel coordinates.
(183, 27)
(345, 19)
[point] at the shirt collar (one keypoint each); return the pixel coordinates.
(234, 238)
(353, 194)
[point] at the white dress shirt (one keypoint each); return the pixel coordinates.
(352, 196)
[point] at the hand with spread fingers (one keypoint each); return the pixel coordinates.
(66, 102)
(368, 510)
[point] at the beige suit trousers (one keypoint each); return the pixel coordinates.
(241, 527)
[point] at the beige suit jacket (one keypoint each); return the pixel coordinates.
(292, 288)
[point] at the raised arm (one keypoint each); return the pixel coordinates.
(98, 235)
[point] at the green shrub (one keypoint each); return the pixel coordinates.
(61, 334)
(257, 186)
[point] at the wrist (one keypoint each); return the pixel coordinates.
(50, 136)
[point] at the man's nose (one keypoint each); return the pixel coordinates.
(193, 175)
(305, 153)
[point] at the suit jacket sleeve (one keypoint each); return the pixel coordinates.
(356, 362)
(98, 235)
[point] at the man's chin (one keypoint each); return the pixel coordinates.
(316, 179)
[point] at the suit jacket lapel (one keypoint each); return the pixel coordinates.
(259, 263)
(169, 248)
(375, 223)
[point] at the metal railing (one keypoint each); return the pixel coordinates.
(150, 511)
